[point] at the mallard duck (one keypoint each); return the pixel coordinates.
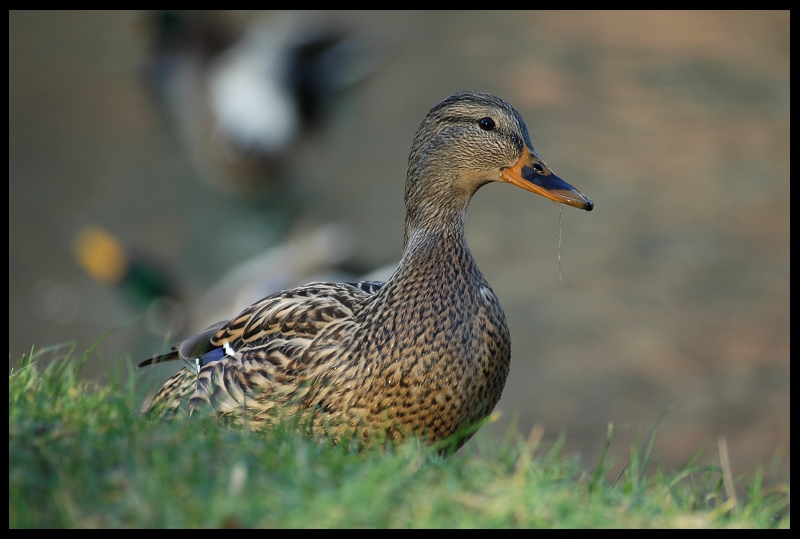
(242, 100)
(427, 352)
(149, 284)
(144, 282)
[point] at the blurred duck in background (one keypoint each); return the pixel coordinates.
(144, 283)
(243, 97)
(149, 286)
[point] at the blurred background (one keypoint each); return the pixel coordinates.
(143, 182)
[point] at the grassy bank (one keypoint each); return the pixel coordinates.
(81, 456)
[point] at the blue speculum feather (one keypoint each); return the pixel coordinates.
(211, 356)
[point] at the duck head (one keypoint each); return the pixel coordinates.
(466, 141)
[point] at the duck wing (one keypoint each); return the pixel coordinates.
(261, 351)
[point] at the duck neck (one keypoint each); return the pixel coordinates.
(435, 209)
(435, 251)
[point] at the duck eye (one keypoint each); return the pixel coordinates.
(487, 124)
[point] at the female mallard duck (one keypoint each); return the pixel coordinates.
(426, 352)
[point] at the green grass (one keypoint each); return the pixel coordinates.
(80, 455)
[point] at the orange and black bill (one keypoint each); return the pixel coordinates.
(532, 174)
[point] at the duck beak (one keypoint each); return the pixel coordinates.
(532, 174)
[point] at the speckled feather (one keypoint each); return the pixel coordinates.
(427, 352)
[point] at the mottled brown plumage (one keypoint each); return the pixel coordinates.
(427, 352)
